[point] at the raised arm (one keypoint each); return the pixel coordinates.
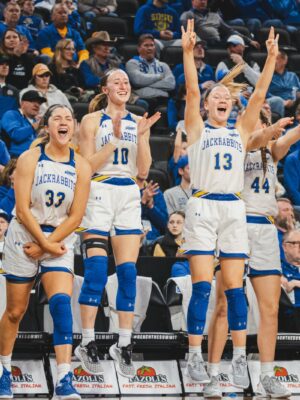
(281, 147)
(247, 122)
(192, 119)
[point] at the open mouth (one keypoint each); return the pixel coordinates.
(63, 131)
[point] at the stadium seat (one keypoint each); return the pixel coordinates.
(284, 37)
(127, 50)
(214, 56)
(160, 147)
(241, 29)
(160, 177)
(172, 55)
(116, 27)
(294, 62)
(257, 56)
(133, 108)
(127, 7)
(161, 127)
(80, 110)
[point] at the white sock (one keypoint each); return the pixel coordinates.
(239, 351)
(266, 369)
(88, 335)
(195, 350)
(124, 337)
(62, 370)
(213, 369)
(6, 362)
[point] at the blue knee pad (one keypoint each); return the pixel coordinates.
(60, 310)
(126, 286)
(237, 309)
(95, 278)
(196, 316)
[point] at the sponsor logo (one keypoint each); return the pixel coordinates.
(233, 134)
(80, 375)
(19, 377)
(70, 173)
(147, 374)
(282, 375)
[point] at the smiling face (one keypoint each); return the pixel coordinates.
(117, 88)
(68, 51)
(219, 105)
(61, 126)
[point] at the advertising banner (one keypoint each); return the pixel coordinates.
(88, 384)
(152, 377)
(28, 377)
(224, 378)
(286, 372)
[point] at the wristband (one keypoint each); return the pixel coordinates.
(115, 141)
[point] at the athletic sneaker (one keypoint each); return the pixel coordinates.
(64, 388)
(212, 389)
(5, 385)
(123, 358)
(195, 369)
(89, 357)
(271, 387)
(240, 377)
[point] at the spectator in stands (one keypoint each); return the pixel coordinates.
(19, 126)
(205, 72)
(9, 95)
(44, 8)
(168, 245)
(236, 48)
(154, 210)
(151, 79)
(291, 174)
(4, 221)
(285, 87)
(180, 151)
(284, 221)
(4, 155)
(12, 13)
(74, 20)
(209, 26)
(90, 9)
(176, 197)
(41, 82)
(7, 193)
(31, 21)
(59, 29)
(21, 62)
(159, 20)
(175, 110)
(66, 75)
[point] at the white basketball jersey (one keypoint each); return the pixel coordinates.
(216, 161)
(53, 189)
(259, 190)
(123, 160)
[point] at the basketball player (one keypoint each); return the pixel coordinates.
(116, 143)
(264, 267)
(51, 188)
(215, 215)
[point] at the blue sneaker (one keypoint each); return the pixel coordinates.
(64, 388)
(5, 385)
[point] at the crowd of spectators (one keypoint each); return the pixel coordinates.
(51, 52)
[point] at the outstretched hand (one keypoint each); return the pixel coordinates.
(272, 43)
(145, 123)
(280, 125)
(188, 37)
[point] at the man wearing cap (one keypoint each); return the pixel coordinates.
(19, 126)
(210, 25)
(206, 76)
(236, 47)
(151, 79)
(9, 95)
(100, 61)
(59, 29)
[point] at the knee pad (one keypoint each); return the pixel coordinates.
(126, 286)
(60, 310)
(196, 316)
(95, 278)
(237, 309)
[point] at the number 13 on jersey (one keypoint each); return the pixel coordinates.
(223, 161)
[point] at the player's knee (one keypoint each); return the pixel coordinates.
(237, 309)
(221, 309)
(14, 315)
(126, 286)
(198, 308)
(95, 278)
(269, 310)
(60, 310)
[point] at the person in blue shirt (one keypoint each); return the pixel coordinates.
(19, 126)
(161, 21)
(9, 95)
(7, 193)
(284, 221)
(32, 22)
(12, 13)
(4, 155)
(291, 173)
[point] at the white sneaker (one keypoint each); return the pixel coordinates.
(123, 358)
(195, 369)
(269, 386)
(212, 389)
(89, 357)
(240, 377)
